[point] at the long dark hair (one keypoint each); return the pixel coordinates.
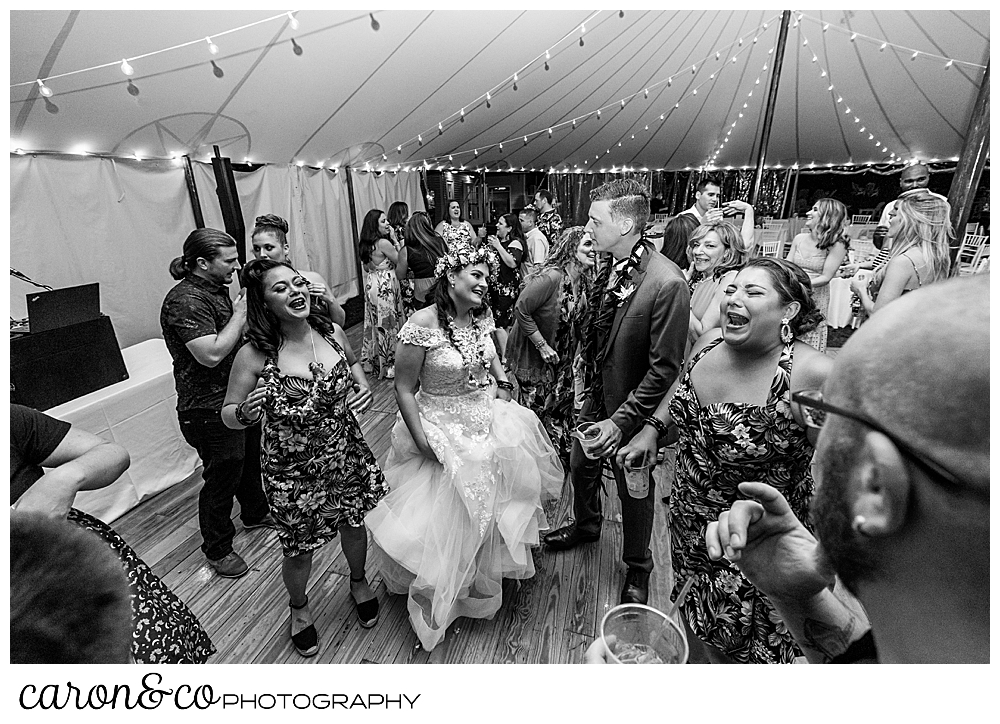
(419, 234)
(447, 211)
(793, 285)
(675, 238)
(204, 244)
(446, 311)
(398, 213)
(369, 235)
(263, 328)
(514, 224)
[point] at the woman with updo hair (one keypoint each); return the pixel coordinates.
(820, 250)
(733, 413)
(270, 241)
(397, 216)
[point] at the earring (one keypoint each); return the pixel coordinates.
(856, 525)
(786, 331)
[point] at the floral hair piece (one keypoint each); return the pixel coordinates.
(461, 255)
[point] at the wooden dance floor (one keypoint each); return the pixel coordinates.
(551, 618)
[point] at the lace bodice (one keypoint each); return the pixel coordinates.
(445, 372)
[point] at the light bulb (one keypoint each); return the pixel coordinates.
(292, 21)
(132, 88)
(914, 56)
(501, 146)
(645, 93)
(440, 128)
(949, 64)
(126, 68)
(212, 47)
(883, 47)
(296, 48)
(44, 89)
(854, 36)
(216, 70)
(375, 24)
(805, 42)
(420, 140)
(461, 115)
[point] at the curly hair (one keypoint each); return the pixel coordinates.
(830, 225)
(445, 305)
(563, 252)
(793, 285)
(926, 225)
(369, 235)
(263, 327)
(736, 254)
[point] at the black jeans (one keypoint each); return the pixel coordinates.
(222, 452)
(637, 514)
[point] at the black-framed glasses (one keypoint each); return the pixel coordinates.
(815, 409)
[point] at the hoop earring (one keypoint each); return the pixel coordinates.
(857, 524)
(786, 331)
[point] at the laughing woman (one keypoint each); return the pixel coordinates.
(733, 412)
(299, 378)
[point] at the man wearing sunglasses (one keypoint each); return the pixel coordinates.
(901, 510)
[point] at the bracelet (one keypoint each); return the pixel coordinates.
(243, 419)
(659, 425)
(505, 385)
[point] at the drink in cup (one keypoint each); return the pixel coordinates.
(642, 635)
(637, 480)
(586, 433)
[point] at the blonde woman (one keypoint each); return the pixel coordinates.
(717, 251)
(921, 231)
(820, 250)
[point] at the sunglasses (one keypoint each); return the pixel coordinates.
(814, 412)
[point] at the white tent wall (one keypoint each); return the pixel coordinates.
(76, 220)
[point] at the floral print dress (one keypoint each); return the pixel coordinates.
(383, 306)
(720, 446)
(317, 469)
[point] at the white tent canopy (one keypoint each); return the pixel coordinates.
(354, 94)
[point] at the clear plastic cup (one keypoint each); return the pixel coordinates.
(637, 480)
(586, 433)
(643, 635)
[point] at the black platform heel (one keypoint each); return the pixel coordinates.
(367, 610)
(305, 641)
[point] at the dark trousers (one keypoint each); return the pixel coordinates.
(222, 452)
(637, 514)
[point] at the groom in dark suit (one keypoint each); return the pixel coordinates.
(633, 355)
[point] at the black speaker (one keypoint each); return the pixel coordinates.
(52, 367)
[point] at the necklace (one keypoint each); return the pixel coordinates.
(316, 367)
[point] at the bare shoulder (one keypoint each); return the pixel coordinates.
(312, 277)
(811, 367)
(426, 317)
(250, 357)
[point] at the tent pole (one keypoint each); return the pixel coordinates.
(772, 97)
(199, 218)
(354, 229)
(229, 200)
(970, 163)
(795, 193)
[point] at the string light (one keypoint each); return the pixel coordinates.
(126, 68)
(296, 48)
(44, 89)
(132, 88)
(375, 23)
(212, 47)
(293, 21)
(216, 70)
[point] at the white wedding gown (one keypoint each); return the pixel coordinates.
(449, 532)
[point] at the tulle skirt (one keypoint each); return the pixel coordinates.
(449, 532)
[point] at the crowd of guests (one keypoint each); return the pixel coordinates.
(542, 349)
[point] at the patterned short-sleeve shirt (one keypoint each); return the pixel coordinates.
(195, 308)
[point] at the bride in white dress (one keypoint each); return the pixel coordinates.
(468, 470)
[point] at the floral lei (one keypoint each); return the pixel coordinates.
(462, 254)
(624, 287)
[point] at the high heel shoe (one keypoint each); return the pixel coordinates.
(367, 610)
(305, 641)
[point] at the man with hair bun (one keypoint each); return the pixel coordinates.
(202, 329)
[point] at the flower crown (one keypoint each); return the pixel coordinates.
(461, 254)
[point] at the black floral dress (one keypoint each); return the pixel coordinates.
(505, 283)
(317, 469)
(722, 445)
(164, 630)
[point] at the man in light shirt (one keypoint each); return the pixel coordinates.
(536, 246)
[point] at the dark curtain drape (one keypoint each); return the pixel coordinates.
(671, 191)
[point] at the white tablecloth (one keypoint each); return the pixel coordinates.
(140, 415)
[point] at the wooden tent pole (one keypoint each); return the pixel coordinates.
(772, 97)
(354, 230)
(970, 163)
(229, 201)
(192, 189)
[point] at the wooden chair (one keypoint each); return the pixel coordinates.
(972, 229)
(970, 248)
(861, 219)
(980, 263)
(661, 218)
(768, 242)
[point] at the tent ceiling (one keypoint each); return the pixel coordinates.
(354, 94)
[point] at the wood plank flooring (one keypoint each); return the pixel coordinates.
(551, 618)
